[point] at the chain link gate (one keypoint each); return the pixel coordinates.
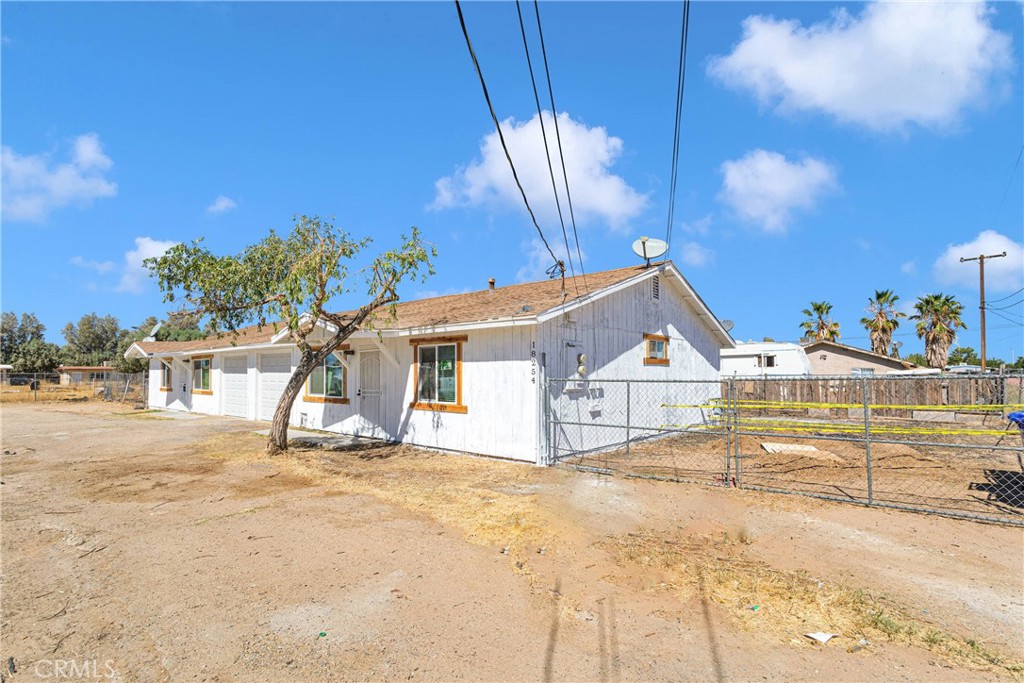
(942, 444)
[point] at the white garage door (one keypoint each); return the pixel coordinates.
(236, 386)
(275, 369)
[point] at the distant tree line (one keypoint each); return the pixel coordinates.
(93, 340)
(938, 318)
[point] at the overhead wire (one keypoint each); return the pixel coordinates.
(501, 136)
(558, 139)
(547, 150)
(1004, 298)
(680, 87)
(1009, 183)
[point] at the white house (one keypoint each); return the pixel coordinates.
(765, 359)
(462, 372)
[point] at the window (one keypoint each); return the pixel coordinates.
(438, 374)
(201, 375)
(328, 383)
(862, 372)
(765, 361)
(166, 378)
(655, 349)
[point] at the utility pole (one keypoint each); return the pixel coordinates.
(981, 273)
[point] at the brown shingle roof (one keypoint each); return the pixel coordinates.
(501, 302)
(526, 300)
(243, 337)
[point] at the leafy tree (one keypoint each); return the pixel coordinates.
(129, 337)
(180, 326)
(964, 355)
(917, 359)
(36, 355)
(883, 320)
(93, 340)
(938, 317)
(15, 335)
(819, 324)
(1019, 363)
(291, 279)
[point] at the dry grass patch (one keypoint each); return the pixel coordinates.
(786, 604)
(487, 500)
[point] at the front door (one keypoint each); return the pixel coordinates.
(369, 395)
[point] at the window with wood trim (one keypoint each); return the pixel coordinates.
(766, 361)
(655, 349)
(201, 375)
(166, 375)
(328, 383)
(437, 372)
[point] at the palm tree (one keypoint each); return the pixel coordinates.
(938, 317)
(819, 324)
(883, 321)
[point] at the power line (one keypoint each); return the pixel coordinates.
(1007, 307)
(501, 136)
(558, 139)
(1007, 318)
(995, 301)
(1009, 182)
(680, 86)
(547, 151)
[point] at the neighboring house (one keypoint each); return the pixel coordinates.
(78, 374)
(833, 358)
(765, 359)
(461, 372)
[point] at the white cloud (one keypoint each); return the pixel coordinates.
(597, 194)
(909, 268)
(33, 185)
(862, 244)
(538, 261)
(693, 254)
(1001, 274)
(100, 267)
(133, 279)
(221, 204)
(701, 226)
(765, 188)
(894, 64)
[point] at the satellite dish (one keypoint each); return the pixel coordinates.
(727, 325)
(647, 248)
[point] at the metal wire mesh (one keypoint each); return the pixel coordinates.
(935, 444)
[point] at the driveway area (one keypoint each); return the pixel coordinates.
(141, 548)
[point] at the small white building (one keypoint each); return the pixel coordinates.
(765, 359)
(462, 372)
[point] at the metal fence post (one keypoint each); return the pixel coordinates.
(627, 420)
(728, 432)
(867, 438)
(736, 437)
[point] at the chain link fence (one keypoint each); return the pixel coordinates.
(946, 444)
(24, 387)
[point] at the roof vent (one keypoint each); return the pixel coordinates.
(490, 284)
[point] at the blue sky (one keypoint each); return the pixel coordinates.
(827, 150)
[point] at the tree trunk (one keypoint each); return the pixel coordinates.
(278, 441)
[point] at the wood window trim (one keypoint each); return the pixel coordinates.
(437, 407)
(192, 363)
(338, 400)
(655, 361)
(169, 363)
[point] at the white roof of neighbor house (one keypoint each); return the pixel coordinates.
(755, 348)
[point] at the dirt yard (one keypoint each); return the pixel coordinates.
(142, 548)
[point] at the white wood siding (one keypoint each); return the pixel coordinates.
(611, 333)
